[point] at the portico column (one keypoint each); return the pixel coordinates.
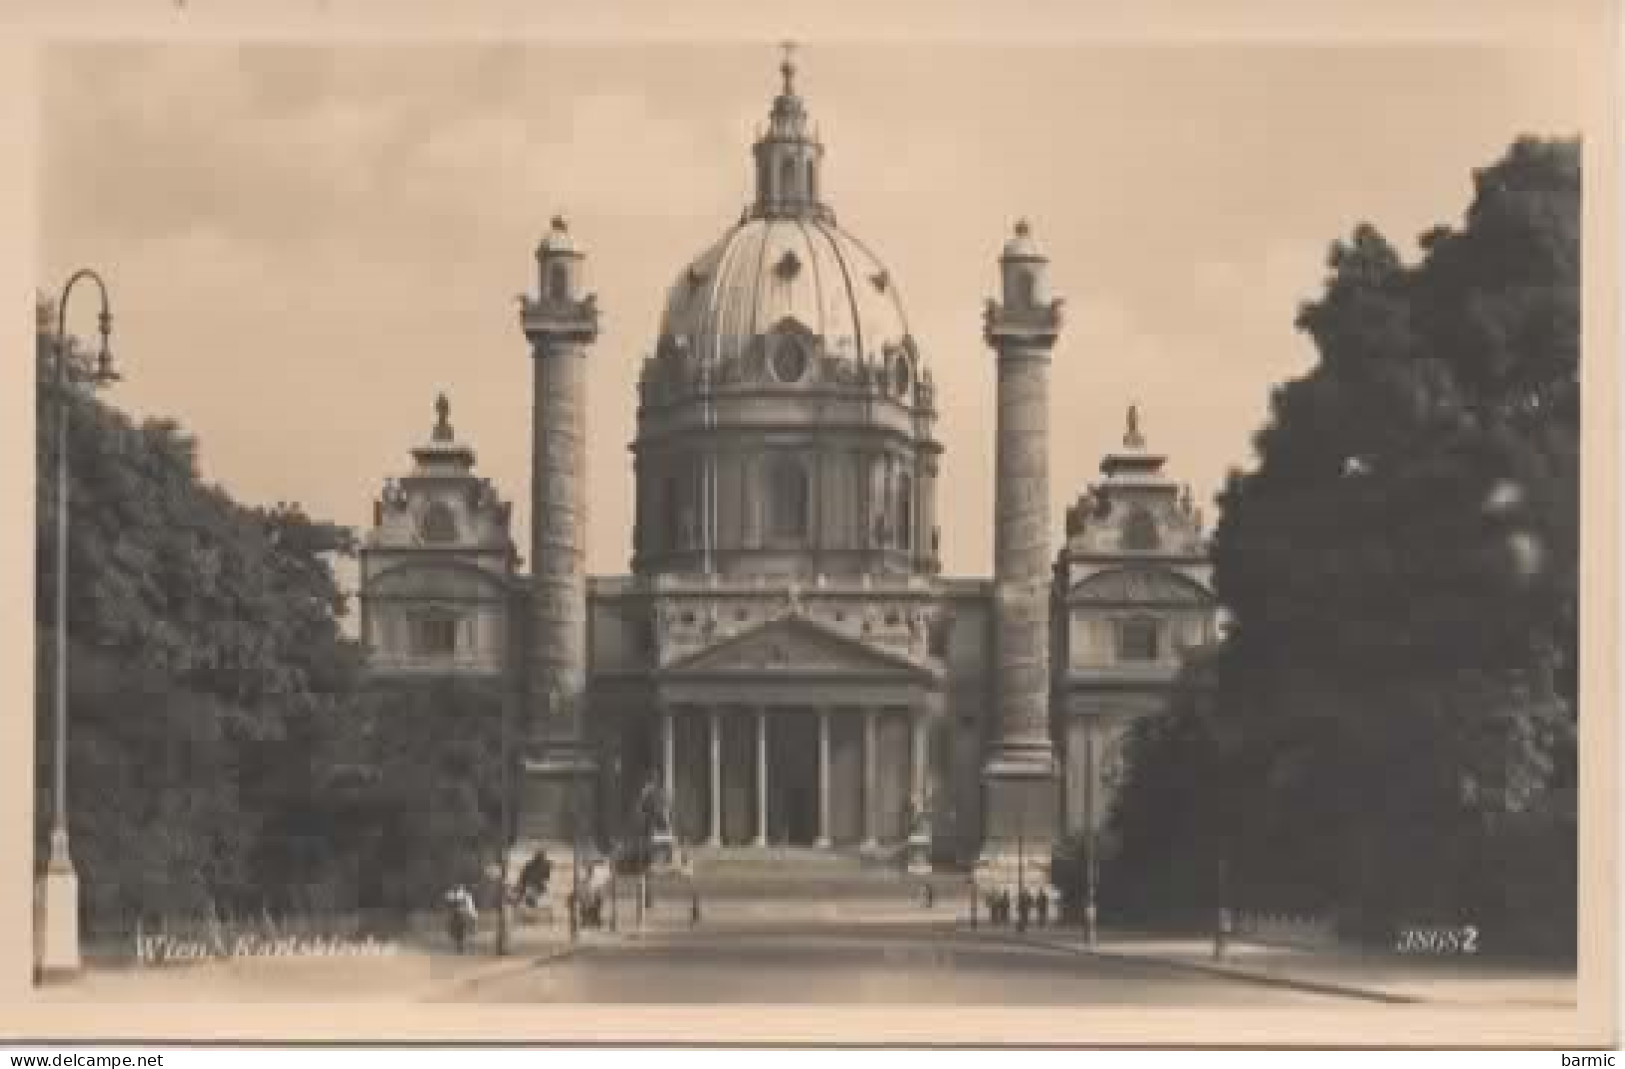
(869, 789)
(668, 742)
(716, 778)
(823, 777)
(761, 776)
(917, 755)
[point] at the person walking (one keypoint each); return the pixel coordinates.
(1024, 909)
(534, 876)
(462, 916)
(1042, 904)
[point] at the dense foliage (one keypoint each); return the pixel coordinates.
(217, 711)
(1387, 732)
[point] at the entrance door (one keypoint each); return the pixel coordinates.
(792, 780)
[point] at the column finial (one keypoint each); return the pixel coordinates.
(442, 423)
(1132, 438)
(787, 68)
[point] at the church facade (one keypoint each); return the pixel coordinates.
(785, 655)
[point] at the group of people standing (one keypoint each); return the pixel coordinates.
(1028, 905)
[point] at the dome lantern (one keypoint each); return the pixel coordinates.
(788, 156)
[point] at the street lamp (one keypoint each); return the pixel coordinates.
(1091, 843)
(57, 892)
(510, 696)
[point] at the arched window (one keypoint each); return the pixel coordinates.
(812, 181)
(558, 283)
(1138, 639)
(439, 523)
(1026, 295)
(787, 179)
(435, 635)
(788, 501)
(905, 512)
(1140, 530)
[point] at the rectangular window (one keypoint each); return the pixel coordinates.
(437, 637)
(1137, 640)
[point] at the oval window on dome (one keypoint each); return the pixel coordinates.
(790, 360)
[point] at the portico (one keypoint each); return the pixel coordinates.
(792, 774)
(792, 736)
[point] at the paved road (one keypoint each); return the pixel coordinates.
(856, 965)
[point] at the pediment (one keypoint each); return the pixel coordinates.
(436, 579)
(1139, 586)
(796, 646)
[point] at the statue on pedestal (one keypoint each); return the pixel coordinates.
(654, 818)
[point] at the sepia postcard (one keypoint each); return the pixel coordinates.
(940, 524)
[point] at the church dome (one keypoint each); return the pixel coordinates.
(785, 273)
(785, 418)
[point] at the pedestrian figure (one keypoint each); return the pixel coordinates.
(534, 876)
(694, 908)
(930, 896)
(1043, 907)
(1024, 909)
(461, 916)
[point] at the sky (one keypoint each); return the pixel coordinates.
(304, 244)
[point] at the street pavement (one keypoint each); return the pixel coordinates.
(845, 953)
(1375, 976)
(854, 964)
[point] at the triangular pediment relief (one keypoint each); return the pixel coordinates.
(1140, 586)
(795, 645)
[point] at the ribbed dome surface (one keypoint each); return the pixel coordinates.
(767, 270)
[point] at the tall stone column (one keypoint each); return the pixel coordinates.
(1020, 770)
(561, 770)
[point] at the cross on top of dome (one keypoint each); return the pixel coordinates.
(788, 68)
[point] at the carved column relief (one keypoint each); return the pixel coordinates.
(1021, 555)
(558, 530)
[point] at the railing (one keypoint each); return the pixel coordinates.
(1304, 932)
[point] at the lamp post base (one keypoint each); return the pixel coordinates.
(56, 915)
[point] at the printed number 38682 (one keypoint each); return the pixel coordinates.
(1462, 940)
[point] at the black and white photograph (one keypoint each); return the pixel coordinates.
(785, 522)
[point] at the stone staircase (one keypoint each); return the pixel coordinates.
(799, 873)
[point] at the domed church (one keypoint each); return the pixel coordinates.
(785, 660)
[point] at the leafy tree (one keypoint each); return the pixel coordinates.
(1395, 702)
(410, 783)
(204, 640)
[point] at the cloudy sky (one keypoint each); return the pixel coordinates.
(305, 244)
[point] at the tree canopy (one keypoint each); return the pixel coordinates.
(215, 702)
(1396, 694)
